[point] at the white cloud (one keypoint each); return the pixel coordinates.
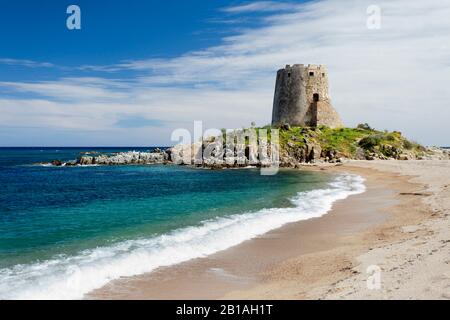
(260, 6)
(26, 63)
(394, 78)
(73, 89)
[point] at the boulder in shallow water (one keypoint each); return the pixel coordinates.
(56, 163)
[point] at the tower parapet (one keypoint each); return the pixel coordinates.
(301, 97)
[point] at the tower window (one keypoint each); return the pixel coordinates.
(323, 74)
(289, 74)
(315, 97)
(311, 74)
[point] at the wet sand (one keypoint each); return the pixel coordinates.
(319, 258)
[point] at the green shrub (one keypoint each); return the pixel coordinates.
(371, 141)
(408, 144)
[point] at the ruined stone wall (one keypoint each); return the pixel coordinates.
(325, 114)
(298, 88)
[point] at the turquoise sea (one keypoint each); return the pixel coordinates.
(65, 231)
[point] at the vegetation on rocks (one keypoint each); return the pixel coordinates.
(297, 145)
(314, 144)
(362, 142)
(323, 144)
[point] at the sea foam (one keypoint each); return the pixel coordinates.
(71, 277)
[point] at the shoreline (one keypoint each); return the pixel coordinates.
(316, 258)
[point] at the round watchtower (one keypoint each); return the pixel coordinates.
(301, 97)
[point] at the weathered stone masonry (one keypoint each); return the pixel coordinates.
(301, 97)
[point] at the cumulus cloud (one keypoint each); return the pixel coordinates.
(394, 77)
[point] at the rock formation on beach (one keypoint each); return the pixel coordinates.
(323, 144)
(300, 145)
(297, 145)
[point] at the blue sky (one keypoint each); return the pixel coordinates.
(112, 31)
(137, 70)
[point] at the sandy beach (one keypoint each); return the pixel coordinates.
(401, 225)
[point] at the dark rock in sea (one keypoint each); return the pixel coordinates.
(56, 163)
(70, 163)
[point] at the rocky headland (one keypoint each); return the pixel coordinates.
(298, 146)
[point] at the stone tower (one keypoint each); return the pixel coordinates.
(301, 97)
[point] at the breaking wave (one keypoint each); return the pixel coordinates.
(71, 277)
